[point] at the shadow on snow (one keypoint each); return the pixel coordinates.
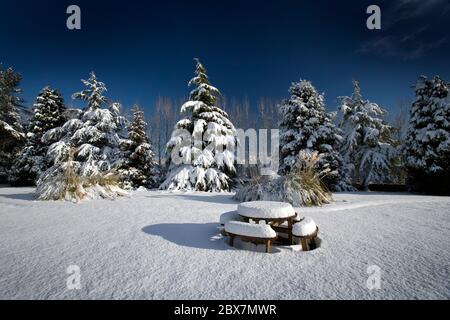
(202, 197)
(194, 235)
(29, 196)
(201, 236)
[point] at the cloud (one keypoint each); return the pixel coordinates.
(410, 29)
(410, 9)
(394, 46)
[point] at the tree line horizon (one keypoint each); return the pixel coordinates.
(257, 113)
(359, 125)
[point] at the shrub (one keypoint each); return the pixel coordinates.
(301, 187)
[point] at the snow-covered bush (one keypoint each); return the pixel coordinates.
(201, 150)
(306, 126)
(302, 186)
(93, 137)
(427, 146)
(259, 188)
(367, 146)
(63, 182)
(11, 131)
(139, 167)
(48, 113)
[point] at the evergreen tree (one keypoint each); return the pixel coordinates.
(427, 146)
(367, 147)
(11, 131)
(305, 126)
(48, 113)
(139, 167)
(202, 145)
(93, 137)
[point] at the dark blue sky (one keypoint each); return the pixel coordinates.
(142, 49)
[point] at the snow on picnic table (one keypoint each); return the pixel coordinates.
(266, 209)
(161, 245)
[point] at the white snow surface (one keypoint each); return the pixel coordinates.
(250, 229)
(165, 245)
(305, 227)
(266, 209)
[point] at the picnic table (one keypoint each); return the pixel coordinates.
(271, 212)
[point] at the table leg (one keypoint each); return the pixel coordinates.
(268, 246)
(304, 245)
(290, 230)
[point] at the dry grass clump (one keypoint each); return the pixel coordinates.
(65, 184)
(306, 181)
(301, 187)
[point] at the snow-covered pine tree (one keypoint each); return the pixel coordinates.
(94, 141)
(427, 146)
(48, 113)
(139, 167)
(201, 150)
(305, 126)
(11, 131)
(367, 146)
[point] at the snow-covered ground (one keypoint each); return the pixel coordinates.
(160, 245)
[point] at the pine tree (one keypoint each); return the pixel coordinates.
(93, 137)
(427, 146)
(367, 146)
(202, 145)
(139, 167)
(11, 131)
(48, 113)
(305, 126)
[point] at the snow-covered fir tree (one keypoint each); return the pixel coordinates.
(305, 126)
(139, 167)
(427, 146)
(367, 146)
(11, 131)
(88, 145)
(48, 113)
(201, 150)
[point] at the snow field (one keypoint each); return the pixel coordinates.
(162, 245)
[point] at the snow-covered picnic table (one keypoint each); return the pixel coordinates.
(271, 212)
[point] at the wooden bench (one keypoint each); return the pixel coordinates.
(283, 224)
(311, 238)
(306, 230)
(230, 216)
(255, 233)
(286, 228)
